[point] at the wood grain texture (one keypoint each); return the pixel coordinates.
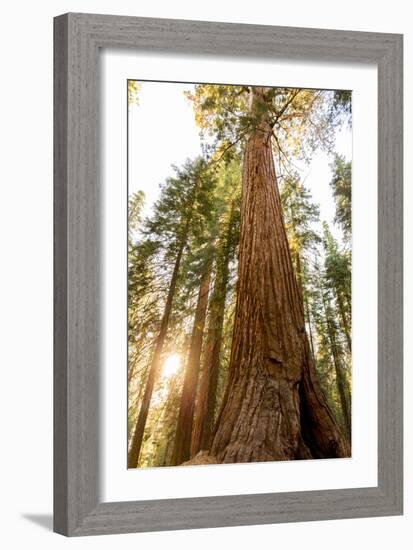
(78, 38)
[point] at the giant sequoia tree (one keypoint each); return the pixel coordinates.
(239, 298)
(274, 408)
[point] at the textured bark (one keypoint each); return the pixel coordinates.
(202, 458)
(136, 444)
(274, 408)
(207, 392)
(319, 428)
(182, 444)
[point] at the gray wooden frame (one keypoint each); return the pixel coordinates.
(78, 39)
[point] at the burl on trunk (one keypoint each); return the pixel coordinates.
(273, 408)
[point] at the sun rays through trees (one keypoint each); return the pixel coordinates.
(239, 285)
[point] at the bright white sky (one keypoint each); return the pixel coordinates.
(162, 132)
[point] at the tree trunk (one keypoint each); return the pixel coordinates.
(273, 408)
(169, 427)
(340, 379)
(310, 330)
(182, 445)
(299, 274)
(135, 448)
(304, 298)
(207, 392)
(344, 321)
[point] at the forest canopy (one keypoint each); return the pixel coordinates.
(239, 284)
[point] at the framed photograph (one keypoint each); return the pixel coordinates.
(228, 274)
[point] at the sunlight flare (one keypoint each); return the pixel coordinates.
(171, 365)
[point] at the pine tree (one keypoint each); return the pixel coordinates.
(338, 276)
(341, 187)
(333, 363)
(224, 252)
(300, 217)
(178, 215)
(181, 451)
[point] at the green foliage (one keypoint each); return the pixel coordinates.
(184, 206)
(341, 106)
(199, 211)
(300, 216)
(299, 118)
(341, 187)
(330, 344)
(338, 269)
(135, 206)
(189, 213)
(326, 291)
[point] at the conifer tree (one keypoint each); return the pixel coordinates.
(178, 215)
(300, 217)
(333, 361)
(224, 251)
(341, 187)
(338, 276)
(272, 385)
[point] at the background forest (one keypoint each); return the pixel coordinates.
(239, 292)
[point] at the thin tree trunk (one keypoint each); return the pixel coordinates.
(342, 393)
(344, 321)
(182, 445)
(310, 330)
(304, 298)
(340, 379)
(207, 392)
(171, 407)
(299, 273)
(135, 448)
(272, 391)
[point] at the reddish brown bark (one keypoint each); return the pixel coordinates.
(207, 392)
(136, 444)
(182, 444)
(274, 408)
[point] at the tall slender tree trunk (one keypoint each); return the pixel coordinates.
(304, 298)
(207, 392)
(299, 273)
(310, 330)
(182, 445)
(340, 378)
(169, 424)
(274, 408)
(342, 393)
(344, 321)
(136, 444)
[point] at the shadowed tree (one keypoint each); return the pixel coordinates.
(178, 215)
(224, 254)
(181, 451)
